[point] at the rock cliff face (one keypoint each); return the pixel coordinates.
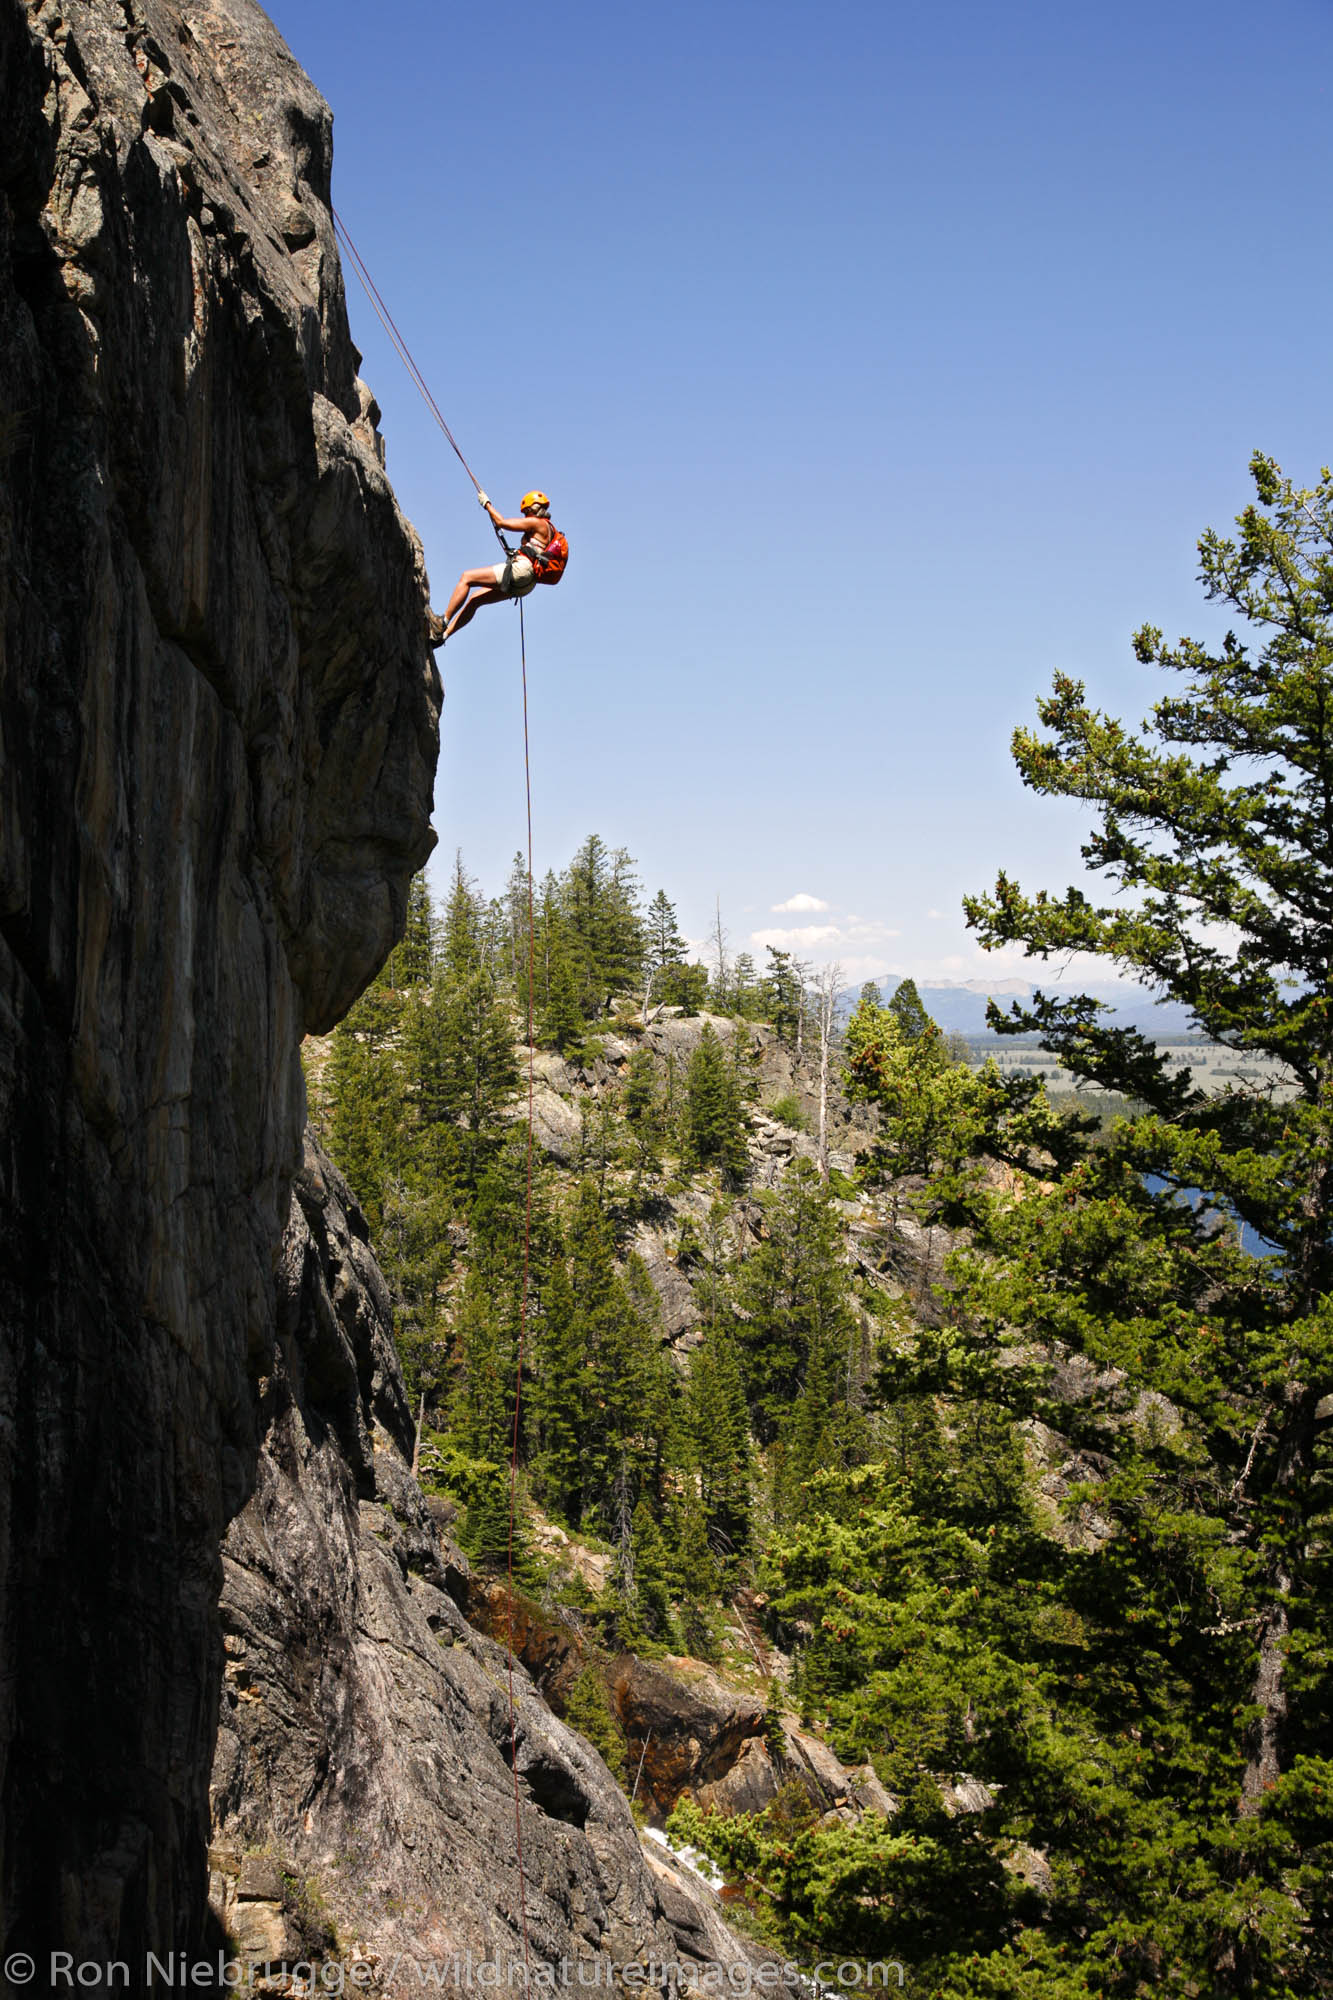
(217, 743)
(362, 1764)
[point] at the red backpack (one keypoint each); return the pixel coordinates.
(549, 562)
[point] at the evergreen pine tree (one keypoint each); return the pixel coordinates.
(431, 1072)
(417, 1257)
(782, 994)
(908, 1010)
(810, 1439)
(548, 919)
(558, 1399)
(792, 1290)
(478, 1053)
(665, 944)
(621, 939)
(720, 1425)
(714, 1129)
(746, 1054)
(487, 1535)
(1149, 1692)
(495, 942)
(684, 986)
(745, 993)
(588, 1709)
(462, 950)
(416, 952)
(499, 1220)
(698, 1575)
(365, 1093)
(481, 1416)
(458, 1064)
(599, 904)
(664, 949)
(663, 1443)
(652, 1573)
(933, 1111)
(562, 1018)
(643, 1113)
(705, 1250)
(641, 1086)
(517, 928)
(582, 901)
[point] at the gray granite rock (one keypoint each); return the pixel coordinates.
(556, 1124)
(365, 1730)
(217, 744)
(675, 1296)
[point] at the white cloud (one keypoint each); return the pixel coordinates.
(936, 916)
(799, 904)
(856, 937)
(860, 966)
(869, 934)
(806, 937)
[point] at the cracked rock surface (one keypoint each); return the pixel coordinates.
(217, 746)
(365, 1733)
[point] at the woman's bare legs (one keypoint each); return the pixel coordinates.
(488, 592)
(471, 579)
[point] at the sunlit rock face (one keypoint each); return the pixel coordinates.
(217, 746)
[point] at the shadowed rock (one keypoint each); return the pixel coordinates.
(217, 745)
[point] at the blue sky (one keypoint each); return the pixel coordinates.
(879, 360)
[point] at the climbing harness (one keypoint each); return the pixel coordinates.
(404, 354)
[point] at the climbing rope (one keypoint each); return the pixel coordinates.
(523, 1296)
(404, 353)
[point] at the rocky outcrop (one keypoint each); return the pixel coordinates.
(675, 1295)
(684, 1724)
(547, 1643)
(363, 1755)
(690, 1733)
(556, 1126)
(217, 741)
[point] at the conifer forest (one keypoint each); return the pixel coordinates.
(955, 1419)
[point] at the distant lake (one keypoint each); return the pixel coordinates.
(1250, 1239)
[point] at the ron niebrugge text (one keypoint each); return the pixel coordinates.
(179, 1972)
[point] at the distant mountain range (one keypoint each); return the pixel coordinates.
(959, 1006)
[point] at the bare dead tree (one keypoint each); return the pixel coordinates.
(721, 963)
(801, 967)
(827, 988)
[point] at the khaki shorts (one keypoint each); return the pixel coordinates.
(514, 578)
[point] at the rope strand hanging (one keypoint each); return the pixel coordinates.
(523, 1307)
(404, 353)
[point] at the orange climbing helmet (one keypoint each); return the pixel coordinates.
(535, 502)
